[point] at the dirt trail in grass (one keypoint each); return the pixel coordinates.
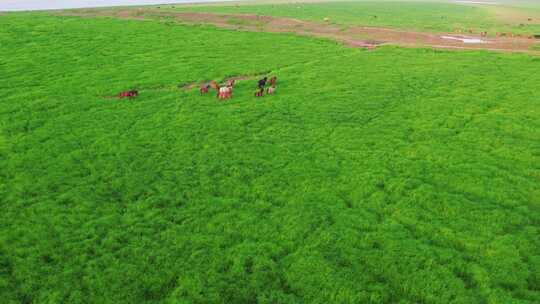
(195, 84)
(353, 36)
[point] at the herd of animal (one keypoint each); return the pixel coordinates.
(223, 92)
(498, 34)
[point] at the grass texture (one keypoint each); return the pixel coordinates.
(412, 15)
(387, 176)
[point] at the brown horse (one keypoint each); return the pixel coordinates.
(128, 94)
(273, 81)
(259, 92)
(214, 85)
(204, 89)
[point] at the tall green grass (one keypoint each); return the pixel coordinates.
(391, 176)
(413, 15)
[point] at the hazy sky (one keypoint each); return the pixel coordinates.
(17, 5)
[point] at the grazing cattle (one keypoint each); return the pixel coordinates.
(128, 94)
(259, 92)
(262, 82)
(273, 81)
(204, 89)
(271, 90)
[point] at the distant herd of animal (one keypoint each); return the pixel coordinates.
(498, 34)
(223, 92)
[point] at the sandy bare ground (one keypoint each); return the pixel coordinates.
(353, 36)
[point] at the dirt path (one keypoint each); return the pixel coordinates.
(194, 84)
(353, 36)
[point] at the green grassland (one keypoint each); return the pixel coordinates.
(415, 15)
(387, 176)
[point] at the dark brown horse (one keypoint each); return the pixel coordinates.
(261, 83)
(204, 89)
(128, 94)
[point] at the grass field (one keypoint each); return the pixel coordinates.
(415, 15)
(387, 176)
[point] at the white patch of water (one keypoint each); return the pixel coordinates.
(475, 2)
(465, 39)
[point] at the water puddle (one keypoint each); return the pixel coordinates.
(465, 39)
(476, 2)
